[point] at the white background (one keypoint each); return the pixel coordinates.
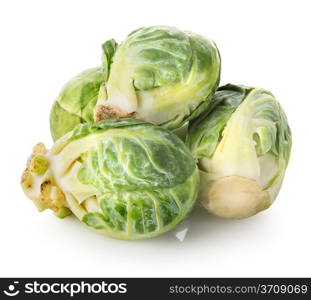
(44, 43)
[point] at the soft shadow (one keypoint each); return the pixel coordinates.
(198, 227)
(201, 226)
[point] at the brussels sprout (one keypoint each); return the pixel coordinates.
(160, 75)
(75, 102)
(125, 178)
(242, 147)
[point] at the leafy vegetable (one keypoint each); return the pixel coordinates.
(158, 74)
(76, 102)
(119, 170)
(242, 147)
(126, 178)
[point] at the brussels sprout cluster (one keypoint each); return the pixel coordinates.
(144, 136)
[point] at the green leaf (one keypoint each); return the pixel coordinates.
(109, 48)
(62, 121)
(143, 157)
(205, 132)
(75, 102)
(95, 220)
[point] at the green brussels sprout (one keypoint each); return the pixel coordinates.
(242, 147)
(127, 179)
(160, 75)
(75, 102)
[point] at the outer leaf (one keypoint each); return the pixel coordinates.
(109, 48)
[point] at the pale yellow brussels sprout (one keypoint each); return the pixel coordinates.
(242, 147)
